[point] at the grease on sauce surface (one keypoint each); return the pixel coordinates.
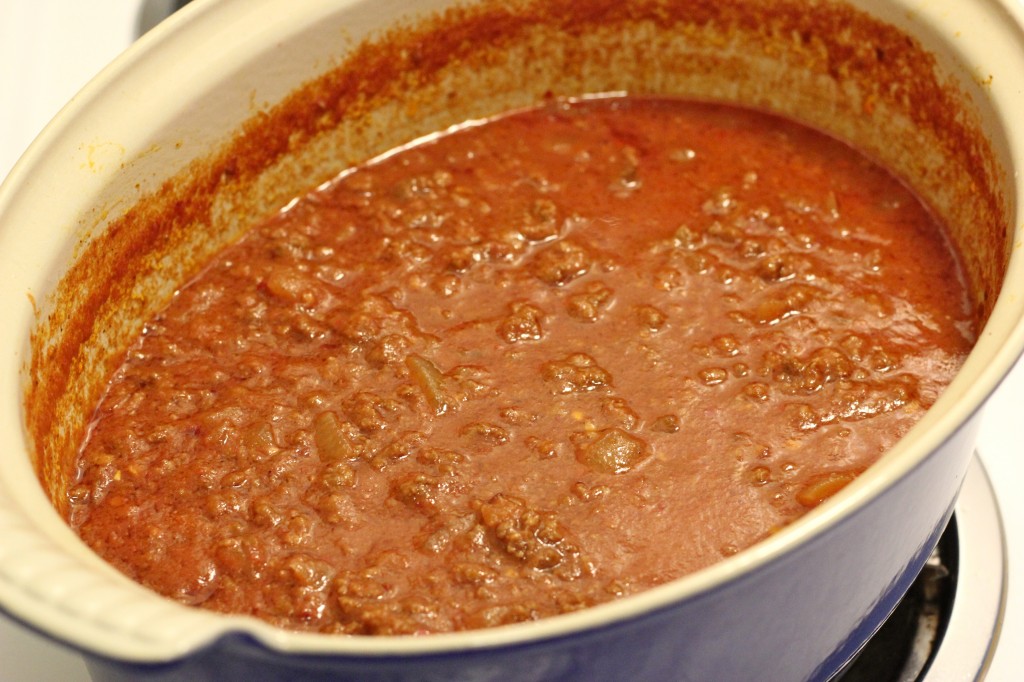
(525, 366)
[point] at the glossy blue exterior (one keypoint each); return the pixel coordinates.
(799, 617)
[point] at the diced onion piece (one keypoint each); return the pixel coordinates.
(820, 488)
(431, 381)
(331, 441)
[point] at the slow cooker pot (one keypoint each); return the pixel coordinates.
(224, 113)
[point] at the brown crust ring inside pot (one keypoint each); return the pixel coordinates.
(822, 63)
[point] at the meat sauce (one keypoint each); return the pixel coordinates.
(521, 367)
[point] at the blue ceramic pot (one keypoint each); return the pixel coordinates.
(796, 606)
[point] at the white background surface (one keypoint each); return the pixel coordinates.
(50, 48)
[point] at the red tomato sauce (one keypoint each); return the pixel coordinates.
(522, 367)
